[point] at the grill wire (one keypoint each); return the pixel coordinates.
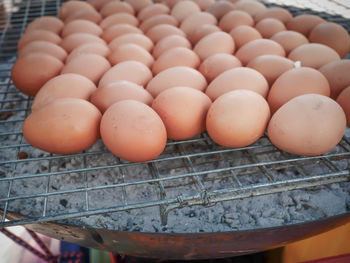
(188, 173)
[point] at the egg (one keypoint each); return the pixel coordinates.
(90, 65)
(289, 40)
(216, 64)
(204, 4)
(70, 7)
(332, 35)
(279, 13)
(32, 71)
(337, 74)
(44, 47)
(115, 31)
(237, 118)
(133, 131)
(169, 42)
(73, 124)
(88, 48)
(183, 9)
(344, 101)
(90, 15)
(194, 21)
(244, 34)
(271, 66)
(202, 31)
(119, 18)
(258, 48)
(177, 56)
(131, 38)
(296, 82)
(114, 7)
(49, 23)
(63, 86)
(310, 124)
(132, 71)
(106, 96)
(169, 3)
(138, 5)
(159, 32)
(81, 26)
(74, 40)
(38, 34)
(304, 23)
(235, 18)
(220, 8)
(269, 26)
(129, 51)
(252, 7)
(98, 4)
(313, 55)
(158, 20)
(183, 111)
(152, 10)
(174, 77)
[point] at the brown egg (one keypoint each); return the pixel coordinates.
(31, 72)
(271, 66)
(138, 5)
(168, 43)
(159, 32)
(202, 31)
(332, 35)
(158, 20)
(289, 40)
(90, 65)
(131, 38)
(74, 40)
(214, 43)
(152, 10)
(132, 71)
(304, 23)
(244, 34)
(309, 124)
(235, 18)
(258, 48)
(120, 29)
(114, 7)
(73, 124)
(313, 55)
(269, 26)
(216, 64)
(220, 8)
(177, 56)
(106, 96)
(194, 21)
(70, 7)
(169, 3)
(90, 15)
(252, 7)
(133, 131)
(279, 13)
(88, 48)
(337, 74)
(49, 23)
(296, 82)
(183, 111)
(44, 47)
(344, 101)
(38, 34)
(237, 78)
(81, 26)
(98, 4)
(204, 4)
(63, 86)
(129, 51)
(183, 9)
(237, 118)
(119, 18)
(176, 77)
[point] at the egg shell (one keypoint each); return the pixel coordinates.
(258, 48)
(89, 65)
(131, 38)
(237, 78)
(204, 4)
(38, 34)
(289, 40)
(314, 55)
(176, 76)
(73, 124)
(279, 13)
(269, 26)
(70, 7)
(49, 23)
(235, 18)
(216, 64)
(337, 74)
(237, 118)
(183, 9)
(158, 20)
(138, 5)
(98, 4)
(271, 66)
(118, 30)
(133, 131)
(63, 86)
(90, 15)
(74, 40)
(304, 23)
(332, 35)
(88, 48)
(159, 32)
(129, 51)
(169, 42)
(344, 101)
(106, 96)
(296, 82)
(31, 72)
(310, 124)
(81, 26)
(119, 18)
(194, 21)
(244, 34)
(202, 31)
(114, 7)
(169, 3)
(183, 111)
(252, 7)
(44, 47)
(220, 8)
(132, 71)
(152, 10)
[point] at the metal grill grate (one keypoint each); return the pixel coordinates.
(191, 172)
